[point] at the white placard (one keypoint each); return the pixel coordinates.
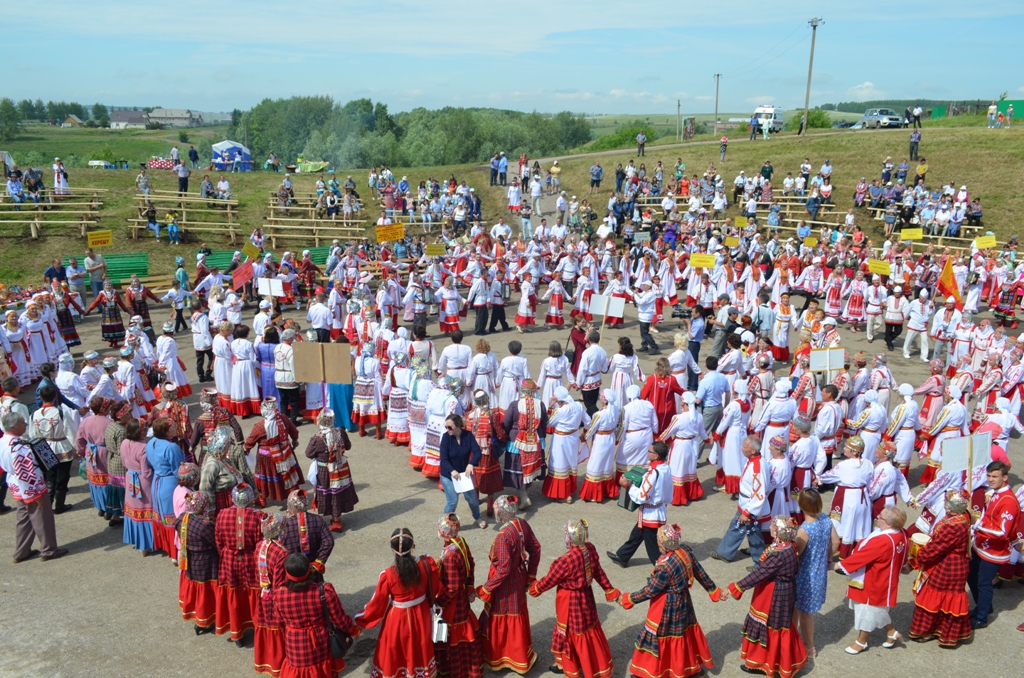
(616, 307)
(963, 453)
(827, 359)
(599, 304)
(270, 286)
(464, 483)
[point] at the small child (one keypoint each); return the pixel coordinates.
(172, 231)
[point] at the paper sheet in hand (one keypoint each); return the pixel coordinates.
(464, 483)
(826, 359)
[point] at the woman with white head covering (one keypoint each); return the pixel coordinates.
(168, 363)
(603, 438)
(565, 417)
(1006, 420)
(904, 423)
(728, 437)
(245, 393)
(951, 423)
(870, 424)
(685, 435)
(367, 400)
(639, 426)
(776, 415)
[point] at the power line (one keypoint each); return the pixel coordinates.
(799, 26)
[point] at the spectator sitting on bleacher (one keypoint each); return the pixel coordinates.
(974, 213)
(287, 185)
(17, 192)
(284, 198)
(151, 221)
(349, 184)
(172, 231)
(206, 188)
(143, 182)
(223, 189)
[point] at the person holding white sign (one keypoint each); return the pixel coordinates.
(951, 423)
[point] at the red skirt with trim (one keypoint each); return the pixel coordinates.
(785, 653)
(234, 609)
(507, 642)
(243, 408)
(585, 655)
(524, 320)
(943, 614)
(267, 645)
(559, 488)
(599, 490)
(732, 483)
(163, 539)
(928, 475)
(781, 353)
(198, 601)
(328, 668)
(689, 490)
(678, 656)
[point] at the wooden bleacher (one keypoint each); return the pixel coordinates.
(80, 208)
(206, 213)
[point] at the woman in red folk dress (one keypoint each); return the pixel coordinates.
(275, 437)
(485, 425)
(834, 294)
(462, 655)
(299, 605)
(770, 643)
(268, 637)
(578, 643)
(672, 643)
(505, 622)
(237, 533)
(308, 272)
(401, 603)
(198, 561)
(661, 389)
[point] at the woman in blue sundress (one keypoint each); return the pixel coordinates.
(814, 543)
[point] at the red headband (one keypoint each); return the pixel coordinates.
(292, 577)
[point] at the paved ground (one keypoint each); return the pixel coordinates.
(106, 611)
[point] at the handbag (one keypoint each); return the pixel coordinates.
(339, 641)
(43, 453)
(438, 626)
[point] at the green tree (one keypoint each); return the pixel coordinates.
(39, 109)
(9, 119)
(816, 119)
(183, 136)
(26, 109)
(99, 111)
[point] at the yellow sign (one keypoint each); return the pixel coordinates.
(703, 260)
(251, 251)
(985, 242)
(913, 234)
(100, 238)
(436, 250)
(879, 266)
(741, 222)
(810, 241)
(390, 233)
(732, 241)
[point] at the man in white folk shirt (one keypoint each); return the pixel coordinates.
(569, 268)
(943, 325)
(590, 373)
(202, 342)
(645, 302)
(874, 299)
(261, 320)
(653, 495)
(896, 309)
(319, 318)
(753, 486)
(479, 298)
(497, 297)
(454, 363)
(919, 313)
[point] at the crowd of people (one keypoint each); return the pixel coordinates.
(779, 435)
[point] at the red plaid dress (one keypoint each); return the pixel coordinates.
(197, 560)
(307, 533)
(277, 470)
(672, 643)
(486, 430)
(404, 648)
(237, 533)
(578, 642)
(940, 596)
(268, 638)
(769, 643)
(505, 622)
(462, 655)
(306, 652)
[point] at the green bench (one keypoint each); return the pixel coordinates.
(120, 267)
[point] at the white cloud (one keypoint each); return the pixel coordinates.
(617, 92)
(760, 99)
(865, 92)
(706, 97)
(1021, 90)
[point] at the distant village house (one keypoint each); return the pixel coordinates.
(129, 120)
(72, 121)
(175, 117)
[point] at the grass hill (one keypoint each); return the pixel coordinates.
(990, 162)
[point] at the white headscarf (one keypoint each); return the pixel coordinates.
(269, 412)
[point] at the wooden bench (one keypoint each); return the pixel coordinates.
(317, 229)
(228, 229)
(37, 223)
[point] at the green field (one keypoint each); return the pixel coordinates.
(666, 124)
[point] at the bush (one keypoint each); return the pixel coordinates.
(817, 119)
(183, 136)
(623, 138)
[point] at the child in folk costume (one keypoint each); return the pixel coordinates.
(198, 561)
(335, 491)
(367, 401)
(728, 437)
(168, 362)
(855, 312)
(833, 292)
(672, 643)
(578, 643)
(584, 291)
(771, 644)
(555, 296)
(396, 390)
(486, 426)
(111, 325)
(277, 470)
(526, 314)
(851, 507)
(603, 439)
(686, 435)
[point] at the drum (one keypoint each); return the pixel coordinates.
(917, 541)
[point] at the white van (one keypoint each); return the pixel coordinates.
(770, 115)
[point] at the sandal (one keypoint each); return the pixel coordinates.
(892, 640)
(860, 645)
(482, 524)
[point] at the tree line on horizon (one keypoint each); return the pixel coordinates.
(361, 133)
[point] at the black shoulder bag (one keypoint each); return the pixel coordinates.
(339, 641)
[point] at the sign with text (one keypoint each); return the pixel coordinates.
(251, 251)
(879, 266)
(741, 222)
(810, 241)
(390, 233)
(642, 236)
(985, 242)
(732, 241)
(241, 275)
(703, 260)
(437, 250)
(911, 234)
(100, 238)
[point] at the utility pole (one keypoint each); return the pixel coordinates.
(810, 68)
(679, 123)
(718, 77)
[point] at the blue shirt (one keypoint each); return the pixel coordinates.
(596, 173)
(697, 329)
(456, 455)
(712, 389)
(503, 164)
(803, 231)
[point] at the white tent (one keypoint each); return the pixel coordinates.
(8, 161)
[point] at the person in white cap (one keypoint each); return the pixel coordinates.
(728, 437)
(951, 423)
(896, 309)
(1007, 421)
(686, 435)
(776, 416)
(870, 424)
(565, 418)
(904, 423)
(262, 319)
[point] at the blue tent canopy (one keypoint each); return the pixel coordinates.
(224, 155)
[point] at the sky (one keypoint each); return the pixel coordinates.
(590, 57)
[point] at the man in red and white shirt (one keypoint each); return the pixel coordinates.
(918, 314)
(874, 299)
(28, 488)
(874, 568)
(896, 309)
(653, 495)
(993, 534)
(752, 499)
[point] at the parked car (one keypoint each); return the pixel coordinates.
(844, 124)
(881, 117)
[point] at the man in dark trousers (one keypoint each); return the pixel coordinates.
(479, 297)
(497, 305)
(653, 495)
(193, 157)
